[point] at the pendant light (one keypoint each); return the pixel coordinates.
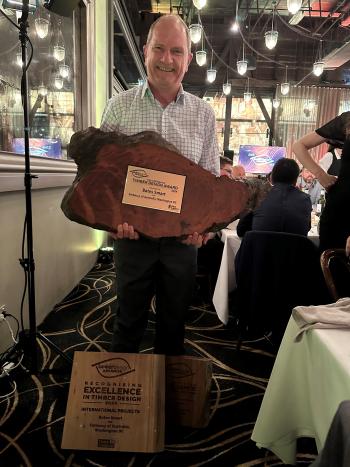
(247, 95)
(242, 65)
(59, 50)
(271, 36)
(41, 27)
(211, 72)
(276, 103)
(294, 6)
(64, 70)
(58, 82)
(201, 55)
(226, 87)
(19, 59)
(318, 65)
(42, 90)
(199, 4)
(285, 87)
(195, 32)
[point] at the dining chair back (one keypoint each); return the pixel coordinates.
(336, 270)
(275, 271)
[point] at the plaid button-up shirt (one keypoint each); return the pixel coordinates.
(188, 122)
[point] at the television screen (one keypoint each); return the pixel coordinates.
(45, 147)
(259, 159)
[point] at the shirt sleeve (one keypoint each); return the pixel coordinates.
(110, 120)
(335, 130)
(210, 158)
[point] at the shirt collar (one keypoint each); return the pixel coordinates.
(146, 90)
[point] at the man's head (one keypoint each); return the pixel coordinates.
(225, 167)
(167, 53)
(238, 171)
(285, 171)
(307, 176)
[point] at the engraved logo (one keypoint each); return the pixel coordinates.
(113, 367)
(179, 370)
(139, 173)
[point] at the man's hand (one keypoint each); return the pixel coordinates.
(197, 239)
(125, 231)
(327, 180)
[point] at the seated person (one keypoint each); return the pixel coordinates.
(226, 169)
(238, 171)
(285, 208)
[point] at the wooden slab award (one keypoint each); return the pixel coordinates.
(143, 180)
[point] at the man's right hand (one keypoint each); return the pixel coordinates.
(327, 180)
(125, 231)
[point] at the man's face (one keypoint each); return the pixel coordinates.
(307, 176)
(226, 171)
(167, 56)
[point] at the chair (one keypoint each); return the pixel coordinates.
(275, 271)
(336, 270)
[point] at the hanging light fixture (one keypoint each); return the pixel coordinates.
(294, 6)
(42, 90)
(63, 70)
(211, 72)
(318, 65)
(235, 26)
(276, 103)
(242, 65)
(199, 4)
(271, 36)
(201, 55)
(59, 52)
(247, 95)
(41, 27)
(285, 87)
(19, 59)
(195, 32)
(226, 87)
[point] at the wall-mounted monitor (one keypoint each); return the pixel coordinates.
(46, 147)
(259, 159)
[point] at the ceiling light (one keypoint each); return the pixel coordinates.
(294, 6)
(42, 90)
(63, 71)
(211, 75)
(199, 4)
(271, 39)
(19, 59)
(247, 96)
(235, 26)
(242, 66)
(42, 27)
(58, 82)
(318, 68)
(195, 33)
(201, 57)
(226, 88)
(285, 87)
(276, 103)
(59, 52)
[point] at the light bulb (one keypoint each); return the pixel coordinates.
(42, 90)
(226, 88)
(41, 27)
(276, 103)
(201, 57)
(285, 87)
(247, 96)
(271, 39)
(242, 66)
(59, 52)
(63, 71)
(199, 4)
(195, 33)
(19, 59)
(294, 6)
(318, 68)
(58, 82)
(211, 75)
(235, 26)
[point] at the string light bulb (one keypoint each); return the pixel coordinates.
(59, 52)
(199, 4)
(226, 88)
(58, 82)
(211, 75)
(318, 68)
(276, 103)
(195, 32)
(271, 38)
(41, 27)
(201, 57)
(242, 66)
(294, 6)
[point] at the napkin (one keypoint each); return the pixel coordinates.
(334, 315)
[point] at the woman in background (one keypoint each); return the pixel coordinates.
(335, 219)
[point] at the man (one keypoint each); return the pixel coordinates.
(285, 208)
(165, 267)
(238, 171)
(226, 169)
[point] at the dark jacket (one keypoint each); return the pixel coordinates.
(285, 209)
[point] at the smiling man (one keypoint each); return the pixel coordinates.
(165, 267)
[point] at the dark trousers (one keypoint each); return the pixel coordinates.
(164, 267)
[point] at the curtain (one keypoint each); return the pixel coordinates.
(305, 109)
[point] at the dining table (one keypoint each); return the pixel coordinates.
(309, 379)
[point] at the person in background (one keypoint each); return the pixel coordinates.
(334, 225)
(285, 208)
(226, 168)
(238, 171)
(308, 184)
(165, 267)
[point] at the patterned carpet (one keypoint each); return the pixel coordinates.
(31, 420)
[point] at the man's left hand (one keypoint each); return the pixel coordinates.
(197, 239)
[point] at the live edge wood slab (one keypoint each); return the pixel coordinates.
(95, 198)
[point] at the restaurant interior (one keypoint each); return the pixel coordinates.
(270, 310)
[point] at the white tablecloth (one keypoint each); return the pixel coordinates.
(226, 281)
(308, 381)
